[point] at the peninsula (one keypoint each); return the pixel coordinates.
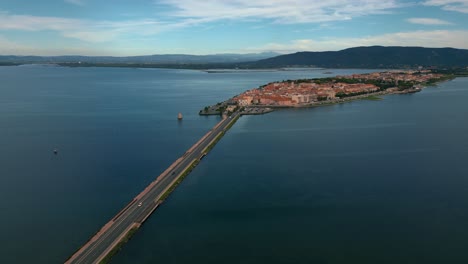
(314, 92)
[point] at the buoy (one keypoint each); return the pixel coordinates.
(179, 116)
(55, 151)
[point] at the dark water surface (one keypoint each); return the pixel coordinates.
(115, 130)
(364, 182)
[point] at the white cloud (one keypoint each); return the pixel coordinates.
(279, 11)
(435, 38)
(445, 2)
(90, 36)
(84, 30)
(428, 21)
(10, 47)
(450, 5)
(188, 13)
(75, 2)
(35, 23)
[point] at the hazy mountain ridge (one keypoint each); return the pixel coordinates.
(152, 59)
(370, 57)
(358, 57)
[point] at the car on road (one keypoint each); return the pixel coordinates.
(140, 204)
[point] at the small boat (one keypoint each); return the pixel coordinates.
(179, 116)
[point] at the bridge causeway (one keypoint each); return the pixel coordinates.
(106, 242)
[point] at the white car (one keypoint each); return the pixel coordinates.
(139, 204)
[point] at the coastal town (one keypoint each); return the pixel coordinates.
(313, 92)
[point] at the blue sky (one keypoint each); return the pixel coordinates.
(142, 27)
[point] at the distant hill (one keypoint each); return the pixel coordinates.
(369, 57)
(360, 57)
(149, 59)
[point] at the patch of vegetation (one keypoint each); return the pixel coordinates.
(221, 109)
(232, 123)
(119, 246)
(403, 85)
(373, 98)
(194, 163)
(453, 72)
(179, 180)
(343, 95)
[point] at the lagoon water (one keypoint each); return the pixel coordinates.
(363, 182)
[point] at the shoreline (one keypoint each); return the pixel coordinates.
(336, 101)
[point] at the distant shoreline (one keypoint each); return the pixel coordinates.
(209, 68)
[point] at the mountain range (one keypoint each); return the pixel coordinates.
(358, 57)
(370, 57)
(146, 59)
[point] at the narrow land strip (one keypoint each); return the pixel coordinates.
(114, 234)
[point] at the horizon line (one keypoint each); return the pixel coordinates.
(278, 53)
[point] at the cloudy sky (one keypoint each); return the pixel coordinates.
(142, 27)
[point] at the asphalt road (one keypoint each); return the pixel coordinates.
(135, 213)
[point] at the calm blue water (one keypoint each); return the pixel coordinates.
(363, 182)
(116, 130)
